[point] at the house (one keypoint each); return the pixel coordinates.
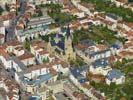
(27, 58)
(40, 22)
(18, 51)
(3, 2)
(39, 50)
(2, 38)
(29, 34)
(123, 3)
(85, 48)
(82, 83)
(77, 77)
(2, 28)
(43, 56)
(115, 76)
(115, 48)
(100, 54)
(81, 7)
(5, 58)
(38, 2)
(90, 51)
(97, 94)
(100, 66)
(73, 92)
(84, 22)
(112, 17)
(60, 66)
(34, 98)
(75, 12)
(30, 9)
(37, 46)
(11, 45)
(95, 77)
(7, 18)
(128, 26)
(36, 76)
(75, 25)
(118, 2)
(111, 25)
(126, 54)
(9, 88)
(34, 26)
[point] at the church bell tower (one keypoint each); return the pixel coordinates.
(69, 50)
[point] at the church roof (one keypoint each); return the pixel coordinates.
(59, 40)
(60, 43)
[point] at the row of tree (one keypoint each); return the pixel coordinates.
(108, 7)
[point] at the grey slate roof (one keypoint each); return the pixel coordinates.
(101, 63)
(112, 16)
(114, 73)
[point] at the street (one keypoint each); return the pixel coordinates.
(10, 35)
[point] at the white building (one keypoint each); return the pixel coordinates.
(27, 58)
(5, 58)
(112, 17)
(2, 38)
(101, 67)
(3, 2)
(128, 26)
(2, 28)
(115, 76)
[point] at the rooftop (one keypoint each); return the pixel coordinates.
(101, 63)
(26, 55)
(34, 98)
(77, 74)
(40, 79)
(114, 73)
(62, 96)
(112, 16)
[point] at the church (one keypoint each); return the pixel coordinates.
(61, 45)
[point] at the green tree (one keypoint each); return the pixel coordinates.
(108, 7)
(1, 10)
(7, 7)
(45, 60)
(27, 45)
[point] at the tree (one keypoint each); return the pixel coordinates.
(27, 45)
(1, 10)
(40, 13)
(108, 7)
(45, 60)
(7, 7)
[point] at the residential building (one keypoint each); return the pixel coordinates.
(2, 38)
(115, 76)
(112, 17)
(27, 58)
(100, 66)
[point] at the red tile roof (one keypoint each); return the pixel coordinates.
(26, 55)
